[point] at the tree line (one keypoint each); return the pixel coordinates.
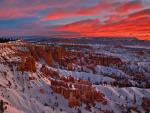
(3, 40)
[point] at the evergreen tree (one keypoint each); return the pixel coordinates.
(79, 111)
(134, 99)
(1, 106)
(4, 39)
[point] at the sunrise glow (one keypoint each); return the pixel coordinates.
(91, 18)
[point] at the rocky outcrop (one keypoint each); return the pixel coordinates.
(28, 64)
(49, 72)
(49, 54)
(42, 52)
(145, 104)
(73, 102)
(58, 54)
(106, 60)
(77, 91)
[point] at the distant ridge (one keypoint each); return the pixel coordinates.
(84, 40)
(42, 38)
(110, 38)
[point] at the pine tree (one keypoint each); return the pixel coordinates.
(1, 106)
(79, 111)
(134, 98)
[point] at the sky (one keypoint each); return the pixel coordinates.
(75, 18)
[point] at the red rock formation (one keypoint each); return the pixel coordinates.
(47, 56)
(66, 93)
(67, 79)
(73, 102)
(42, 91)
(106, 60)
(41, 52)
(48, 72)
(27, 64)
(77, 91)
(146, 104)
(58, 53)
(31, 78)
(48, 53)
(44, 70)
(141, 53)
(69, 66)
(134, 109)
(106, 111)
(85, 82)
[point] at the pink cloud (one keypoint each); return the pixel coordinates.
(88, 11)
(129, 6)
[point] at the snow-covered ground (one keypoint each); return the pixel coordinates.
(31, 92)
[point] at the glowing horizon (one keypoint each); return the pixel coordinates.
(76, 18)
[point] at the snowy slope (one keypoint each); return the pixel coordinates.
(27, 91)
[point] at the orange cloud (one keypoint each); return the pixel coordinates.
(125, 27)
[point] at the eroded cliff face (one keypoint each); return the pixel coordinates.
(145, 104)
(49, 72)
(27, 64)
(36, 53)
(75, 91)
(41, 53)
(70, 60)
